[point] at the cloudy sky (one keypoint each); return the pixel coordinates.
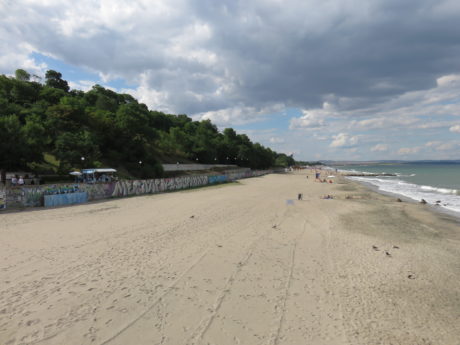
(323, 79)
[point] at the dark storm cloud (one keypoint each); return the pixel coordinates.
(387, 50)
(210, 55)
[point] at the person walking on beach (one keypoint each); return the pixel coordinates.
(299, 196)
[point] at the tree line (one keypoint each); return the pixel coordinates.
(100, 127)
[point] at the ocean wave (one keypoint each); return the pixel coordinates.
(361, 172)
(402, 175)
(440, 190)
(449, 198)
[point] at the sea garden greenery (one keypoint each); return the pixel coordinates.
(47, 128)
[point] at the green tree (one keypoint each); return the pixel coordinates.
(284, 160)
(54, 79)
(133, 120)
(19, 145)
(71, 146)
(114, 128)
(11, 145)
(22, 75)
(51, 94)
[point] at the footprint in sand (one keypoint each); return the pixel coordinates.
(32, 322)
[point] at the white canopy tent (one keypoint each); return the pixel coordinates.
(95, 175)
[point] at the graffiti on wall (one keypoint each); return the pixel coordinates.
(139, 187)
(217, 179)
(2, 199)
(65, 199)
(61, 189)
(35, 196)
(98, 191)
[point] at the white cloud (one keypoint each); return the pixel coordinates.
(154, 99)
(432, 143)
(405, 151)
(235, 115)
(431, 125)
(455, 129)
(384, 123)
(313, 118)
(379, 148)
(320, 137)
(443, 146)
(344, 140)
(447, 146)
(276, 140)
(238, 115)
(84, 85)
(14, 56)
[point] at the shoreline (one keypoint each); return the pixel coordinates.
(431, 183)
(430, 207)
(247, 263)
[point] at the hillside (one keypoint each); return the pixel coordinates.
(48, 128)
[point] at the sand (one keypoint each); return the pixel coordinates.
(233, 264)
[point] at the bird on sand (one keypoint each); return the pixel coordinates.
(375, 247)
(387, 253)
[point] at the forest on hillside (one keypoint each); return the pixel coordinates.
(47, 128)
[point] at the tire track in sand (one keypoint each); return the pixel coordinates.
(165, 293)
(275, 335)
(205, 323)
(173, 285)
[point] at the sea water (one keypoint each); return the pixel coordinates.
(432, 182)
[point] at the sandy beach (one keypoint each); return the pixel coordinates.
(233, 264)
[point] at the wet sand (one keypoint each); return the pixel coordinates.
(233, 264)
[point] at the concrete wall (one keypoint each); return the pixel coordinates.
(217, 179)
(55, 195)
(65, 199)
(2, 199)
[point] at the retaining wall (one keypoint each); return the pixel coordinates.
(65, 199)
(65, 194)
(217, 179)
(2, 199)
